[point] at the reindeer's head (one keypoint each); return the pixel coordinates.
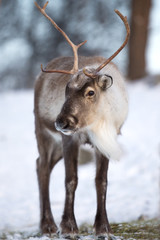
(85, 88)
(83, 95)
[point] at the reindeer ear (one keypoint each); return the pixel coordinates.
(105, 81)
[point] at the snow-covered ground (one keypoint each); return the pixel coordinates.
(134, 182)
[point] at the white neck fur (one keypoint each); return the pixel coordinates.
(104, 137)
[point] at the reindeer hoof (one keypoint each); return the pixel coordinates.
(102, 231)
(69, 229)
(48, 227)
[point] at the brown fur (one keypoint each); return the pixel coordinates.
(65, 100)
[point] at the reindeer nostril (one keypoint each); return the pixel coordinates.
(65, 123)
(62, 123)
(65, 126)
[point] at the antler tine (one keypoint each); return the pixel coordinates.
(124, 19)
(74, 47)
(55, 71)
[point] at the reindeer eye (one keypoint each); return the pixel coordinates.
(90, 93)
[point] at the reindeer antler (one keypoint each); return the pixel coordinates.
(124, 19)
(74, 47)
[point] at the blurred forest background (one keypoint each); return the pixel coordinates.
(27, 39)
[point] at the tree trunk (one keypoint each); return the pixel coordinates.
(138, 39)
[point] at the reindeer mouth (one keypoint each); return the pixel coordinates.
(67, 132)
(65, 129)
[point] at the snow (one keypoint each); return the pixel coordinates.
(133, 191)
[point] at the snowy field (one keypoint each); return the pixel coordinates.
(134, 181)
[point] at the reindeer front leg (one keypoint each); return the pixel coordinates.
(101, 224)
(47, 223)
(70, 148)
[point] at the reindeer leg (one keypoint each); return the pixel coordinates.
(70, 148)
(50, 153)
(47, 223)
(101, 224)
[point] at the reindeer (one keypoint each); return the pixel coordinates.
(87, 104)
